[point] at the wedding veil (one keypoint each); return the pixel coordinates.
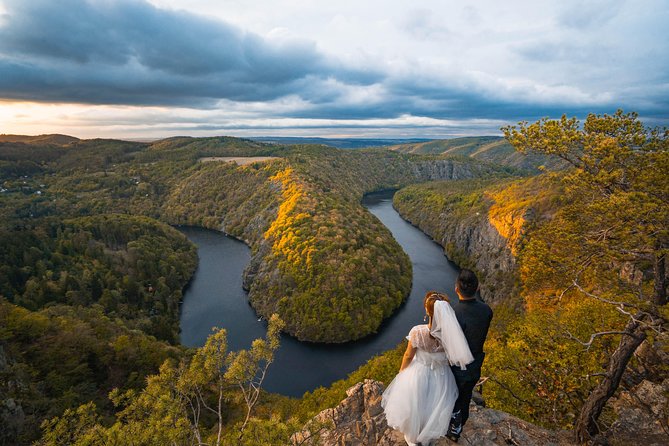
(446, 328)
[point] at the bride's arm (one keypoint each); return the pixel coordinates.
(408, 356)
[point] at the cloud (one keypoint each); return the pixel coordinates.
(586, 15)
(441, 64)
(421, 24)
(134, 53)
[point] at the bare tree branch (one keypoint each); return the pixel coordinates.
(593, 336)
(505, 387)
(641, 317)
(601, 299)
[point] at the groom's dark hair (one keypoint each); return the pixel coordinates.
(467, 282)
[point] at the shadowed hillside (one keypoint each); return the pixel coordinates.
(54, 139)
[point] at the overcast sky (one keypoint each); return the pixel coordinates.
(437, 68)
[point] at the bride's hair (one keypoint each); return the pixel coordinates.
(430, 298)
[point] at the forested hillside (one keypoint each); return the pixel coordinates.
(84, 233)
(494, 149)
(133, 267)
(64, 356)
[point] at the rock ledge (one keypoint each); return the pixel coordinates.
(359, 421)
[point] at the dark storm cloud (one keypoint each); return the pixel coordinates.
(130, 52)
(432, 98)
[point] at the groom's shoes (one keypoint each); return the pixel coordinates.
(454, 432)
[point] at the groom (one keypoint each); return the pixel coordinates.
(474, 317)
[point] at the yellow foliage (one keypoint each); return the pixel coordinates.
(288, 243)
(511, 204)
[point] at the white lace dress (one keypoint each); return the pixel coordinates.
(419, 401)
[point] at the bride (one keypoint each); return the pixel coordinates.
(419, 401)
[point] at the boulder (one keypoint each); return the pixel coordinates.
(642, 415)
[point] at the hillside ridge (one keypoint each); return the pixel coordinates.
(494, 149)
(54, 138)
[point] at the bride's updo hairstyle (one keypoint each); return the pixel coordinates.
(430, 298)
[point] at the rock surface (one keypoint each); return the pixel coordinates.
(450, 169)
(359, 421)
(643, 415)
(470, 241)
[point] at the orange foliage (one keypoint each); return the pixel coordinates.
(288, 242)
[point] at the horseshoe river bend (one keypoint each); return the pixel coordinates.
(215, 298)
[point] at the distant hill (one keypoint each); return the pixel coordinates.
(53, 139)
(340, 143)
(493, 149)
(466, 146)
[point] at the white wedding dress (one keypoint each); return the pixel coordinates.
(419, 401)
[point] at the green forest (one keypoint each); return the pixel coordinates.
(92, 274)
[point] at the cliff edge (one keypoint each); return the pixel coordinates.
(359, 421)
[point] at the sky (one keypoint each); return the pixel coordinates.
(144, 69)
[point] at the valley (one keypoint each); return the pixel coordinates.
(89, 245)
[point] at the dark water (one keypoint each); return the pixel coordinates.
(215, 298)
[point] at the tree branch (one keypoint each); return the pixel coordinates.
(601, 299)
(594, 336)
(655, 324)
(505, 387)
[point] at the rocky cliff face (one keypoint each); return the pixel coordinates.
(450, 169)
(359, 421)
(470, 240)
(478, 241)
(480, 224)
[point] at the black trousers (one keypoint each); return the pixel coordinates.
(466, 384)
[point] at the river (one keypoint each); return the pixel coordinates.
(215, 298)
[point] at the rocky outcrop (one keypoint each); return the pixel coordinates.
(643, 415)
(359, 421)
(451, 169)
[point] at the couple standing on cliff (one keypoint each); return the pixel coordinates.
(429, 397)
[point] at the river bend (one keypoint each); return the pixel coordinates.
(215, 298)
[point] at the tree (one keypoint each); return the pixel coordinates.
(611, 241)
(247, 368)
(186, 403)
